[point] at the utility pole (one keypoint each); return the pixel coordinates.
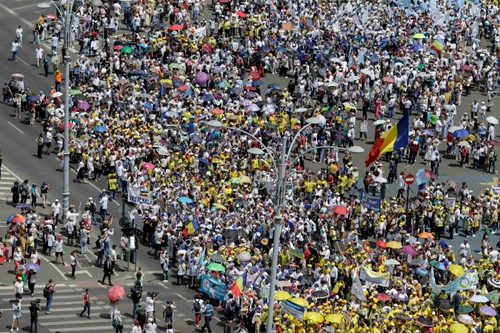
(67, 59)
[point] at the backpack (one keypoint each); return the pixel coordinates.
(168, 311)
(98, 243)
(115, 322)
(33, 308)
(197, 306)
(46, 292)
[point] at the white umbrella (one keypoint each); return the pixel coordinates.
(454, 128)
(367, 71)
(322, 120)
(381, 180)
(254, 107)
(492, 120)
(379, 122)
(56, 94)
(337, 60)
(463, 144)
(300, 110)
(479, 299)
(448, 107)
(353, 78)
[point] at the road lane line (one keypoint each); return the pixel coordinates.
(13, 13)
(27, 6)
(182, 297)
(162, 285)
(55, 267)
(24, 62)
(11, 124)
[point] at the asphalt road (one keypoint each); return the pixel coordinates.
(18, 148)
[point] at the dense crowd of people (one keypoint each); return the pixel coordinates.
(174, 109)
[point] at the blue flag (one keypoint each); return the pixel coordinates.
(161, 92)
(188, 92)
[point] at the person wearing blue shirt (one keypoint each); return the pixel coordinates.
(208, 310)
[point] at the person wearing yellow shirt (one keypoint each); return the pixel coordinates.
(112, 184)
(228, 190)
(255, 163)
(309, 186)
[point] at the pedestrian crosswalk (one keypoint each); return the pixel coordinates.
(7, 180)
(65, 309)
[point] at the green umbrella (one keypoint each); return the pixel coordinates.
(419, 36)
(74, 92)
(174, 65)
(216, 267)
(235, 180)
(127, 49)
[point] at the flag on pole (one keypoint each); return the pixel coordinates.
(239, 284)
(191, 228)
(438, 45)
(394, 139)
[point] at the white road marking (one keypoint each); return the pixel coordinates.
(27, 6)
(162, 285)
(83, 272)
(13, 13)
(55, 267)
(24, 62)
(182, 297)
(11, 124)
(83, 328)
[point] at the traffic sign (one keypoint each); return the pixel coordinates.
(409, 179)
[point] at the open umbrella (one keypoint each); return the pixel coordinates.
(254, 75)
(284, 284)
(388, 79)
(313, 317)
(320, 294)
(217, 111)
(32, 266)
(216, 257)
(419, 36)
(456, 270)
(127, 49)
(494, 282)
(75, 92)
(340, 210)
(116, 293)
(492, 120)
(422, 272)
(444, 305)
(241, 14)
(305, 279)
(16, 218)
(216, 267)
(185, 200)
(100, 129)
(402, 316)
(466, 319)
(466, 67)
(394, 245)
(381, 243)
(334, 318)
(401, 297)
(383, 297)
(422, 321)
(83, 106)
(417, 262)
(461, 133)
(407, 249)
(148, 165)
(245, 180)
(220, 206)
(426, 235)
(487, 311)
(459, 328)
(244, 256)
(282, 296)
(175, 27)
(22, 206)
(201, 78)
(479, 299)
(56, 94)
(463, 144)
(379, 122)
(300, 301)
(391, 262)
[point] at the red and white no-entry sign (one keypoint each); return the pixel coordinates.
(409, 179)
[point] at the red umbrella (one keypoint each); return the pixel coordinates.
(250, 88)
(383, 297)
(494, 143)
(51, 16)
(117, 47)
(466, 68)
(224, 1)
(183, 87)
(241, 14)
(340, 210)
(388, 79)
(16, 218)
(148, 165)
(381, 243)
(116, 293)
(175, 27)
(217, 111)
(287, 26)
(254, 75)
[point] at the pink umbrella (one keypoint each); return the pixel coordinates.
(201, 78)
(148, 165)
(407, 249)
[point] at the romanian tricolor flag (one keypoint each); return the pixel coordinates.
(239, 284)
(438, 45)
(191, 228)
(393, 139)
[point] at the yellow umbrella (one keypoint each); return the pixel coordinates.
(245, 179)
(419, 36)
(394, 245)
(459, 328)
(334, 318)
(218, 205)
(300, 301)
(282, 295)
(456, 270)
(314, 317)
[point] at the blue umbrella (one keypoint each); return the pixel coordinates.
(203, 160)
(33, 98)
(440, 266)
(177, 83)
(442, 243)
(461, 133)
(23, 206)
(195, 138)
(100, 129)
(32, 266)
(236, 90)
(417, 47)
(421, 272)
(207, 97)
(257, 83)
(374, 58)
(280, 49)
(273, 86)
(185, 200)
(171, 114)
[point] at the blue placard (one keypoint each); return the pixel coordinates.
(369, 201)
(207, 282)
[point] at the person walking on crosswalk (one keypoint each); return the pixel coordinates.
(86, 303)
(48, 293)
(16, 314)
(107, 270)
(34, 308)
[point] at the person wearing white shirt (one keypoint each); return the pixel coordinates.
(19, 35)
(104, 206)
(55, 43)
(38, 55)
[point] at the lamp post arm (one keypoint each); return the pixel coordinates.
(295, 139)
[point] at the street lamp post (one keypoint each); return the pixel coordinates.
(67, 59)
(280, 193)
